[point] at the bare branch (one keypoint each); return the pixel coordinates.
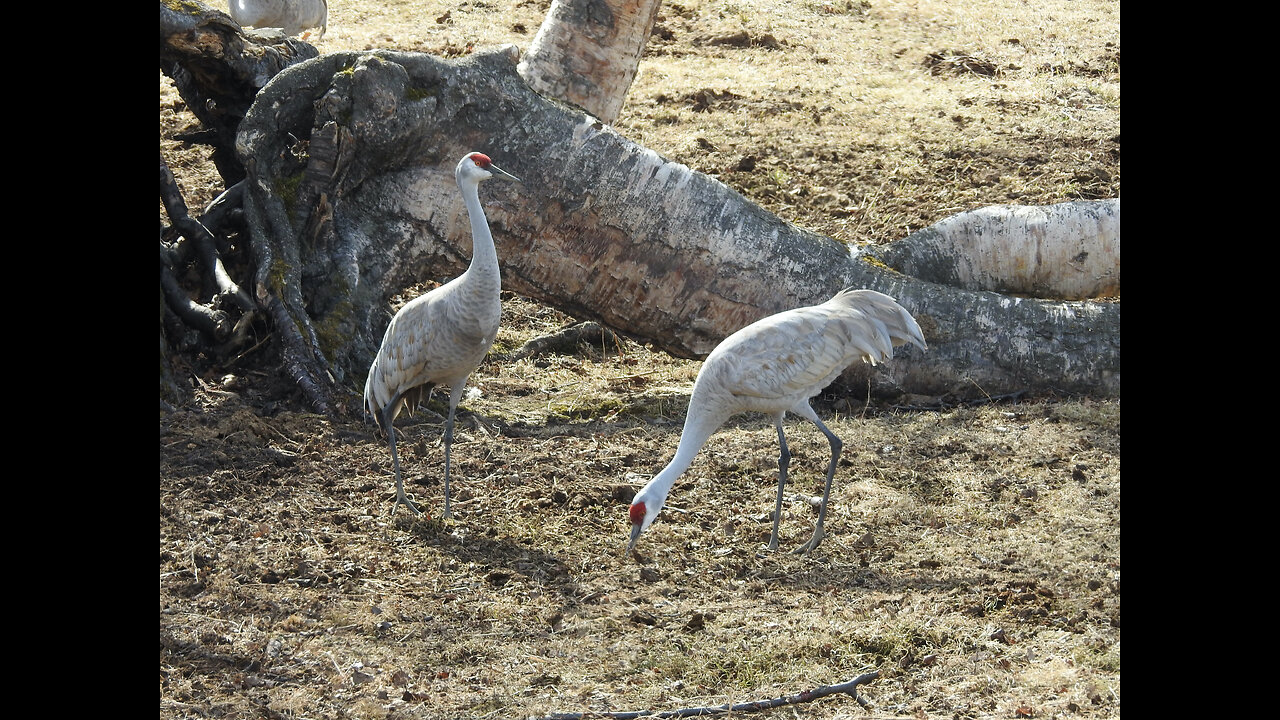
(848, 688)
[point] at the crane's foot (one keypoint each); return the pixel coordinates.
(402, 500)
(812, 545)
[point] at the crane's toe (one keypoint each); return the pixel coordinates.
(812, 545)
(403, 500)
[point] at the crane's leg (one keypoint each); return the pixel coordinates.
(388, 422)
(784, 459)
(455, 396)
(818, 533)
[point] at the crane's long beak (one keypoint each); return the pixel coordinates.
(635, 535)
(499, 172)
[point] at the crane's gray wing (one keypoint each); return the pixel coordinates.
(794, 354)
(789, 355)
(408, 355)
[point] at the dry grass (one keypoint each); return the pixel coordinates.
(972, 555)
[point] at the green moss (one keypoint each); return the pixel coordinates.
(276, 278)
(287, 190)
(184, 6)
(744, 670)
(870, 259)
(504, 344)
(416, 93)
(334, 329)
(577, 410)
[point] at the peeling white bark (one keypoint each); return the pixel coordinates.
(1068, 251)
(587, 52)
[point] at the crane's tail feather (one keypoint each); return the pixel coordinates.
(873, 349)
(371, 406)
(886, 314)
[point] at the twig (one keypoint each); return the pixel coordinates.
(336, 667)
(849, 688)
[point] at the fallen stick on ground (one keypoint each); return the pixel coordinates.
(849, 688)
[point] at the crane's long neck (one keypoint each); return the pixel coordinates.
(698, 428)
(483, 270)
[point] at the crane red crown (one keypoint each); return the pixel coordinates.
(637, 513)
(481, 159)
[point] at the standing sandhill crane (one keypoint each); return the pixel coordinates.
(439, 338)
(773, 366)
(292, 16)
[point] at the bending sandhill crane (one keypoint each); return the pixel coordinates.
(774, 366)
(292, 16)
(439, 338)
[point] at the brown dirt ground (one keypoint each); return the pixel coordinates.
(972, 555)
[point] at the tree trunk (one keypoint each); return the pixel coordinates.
(587, 52)
(1069, 251)
(601, 228)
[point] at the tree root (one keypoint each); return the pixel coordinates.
(222, 313)
(196, 243)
